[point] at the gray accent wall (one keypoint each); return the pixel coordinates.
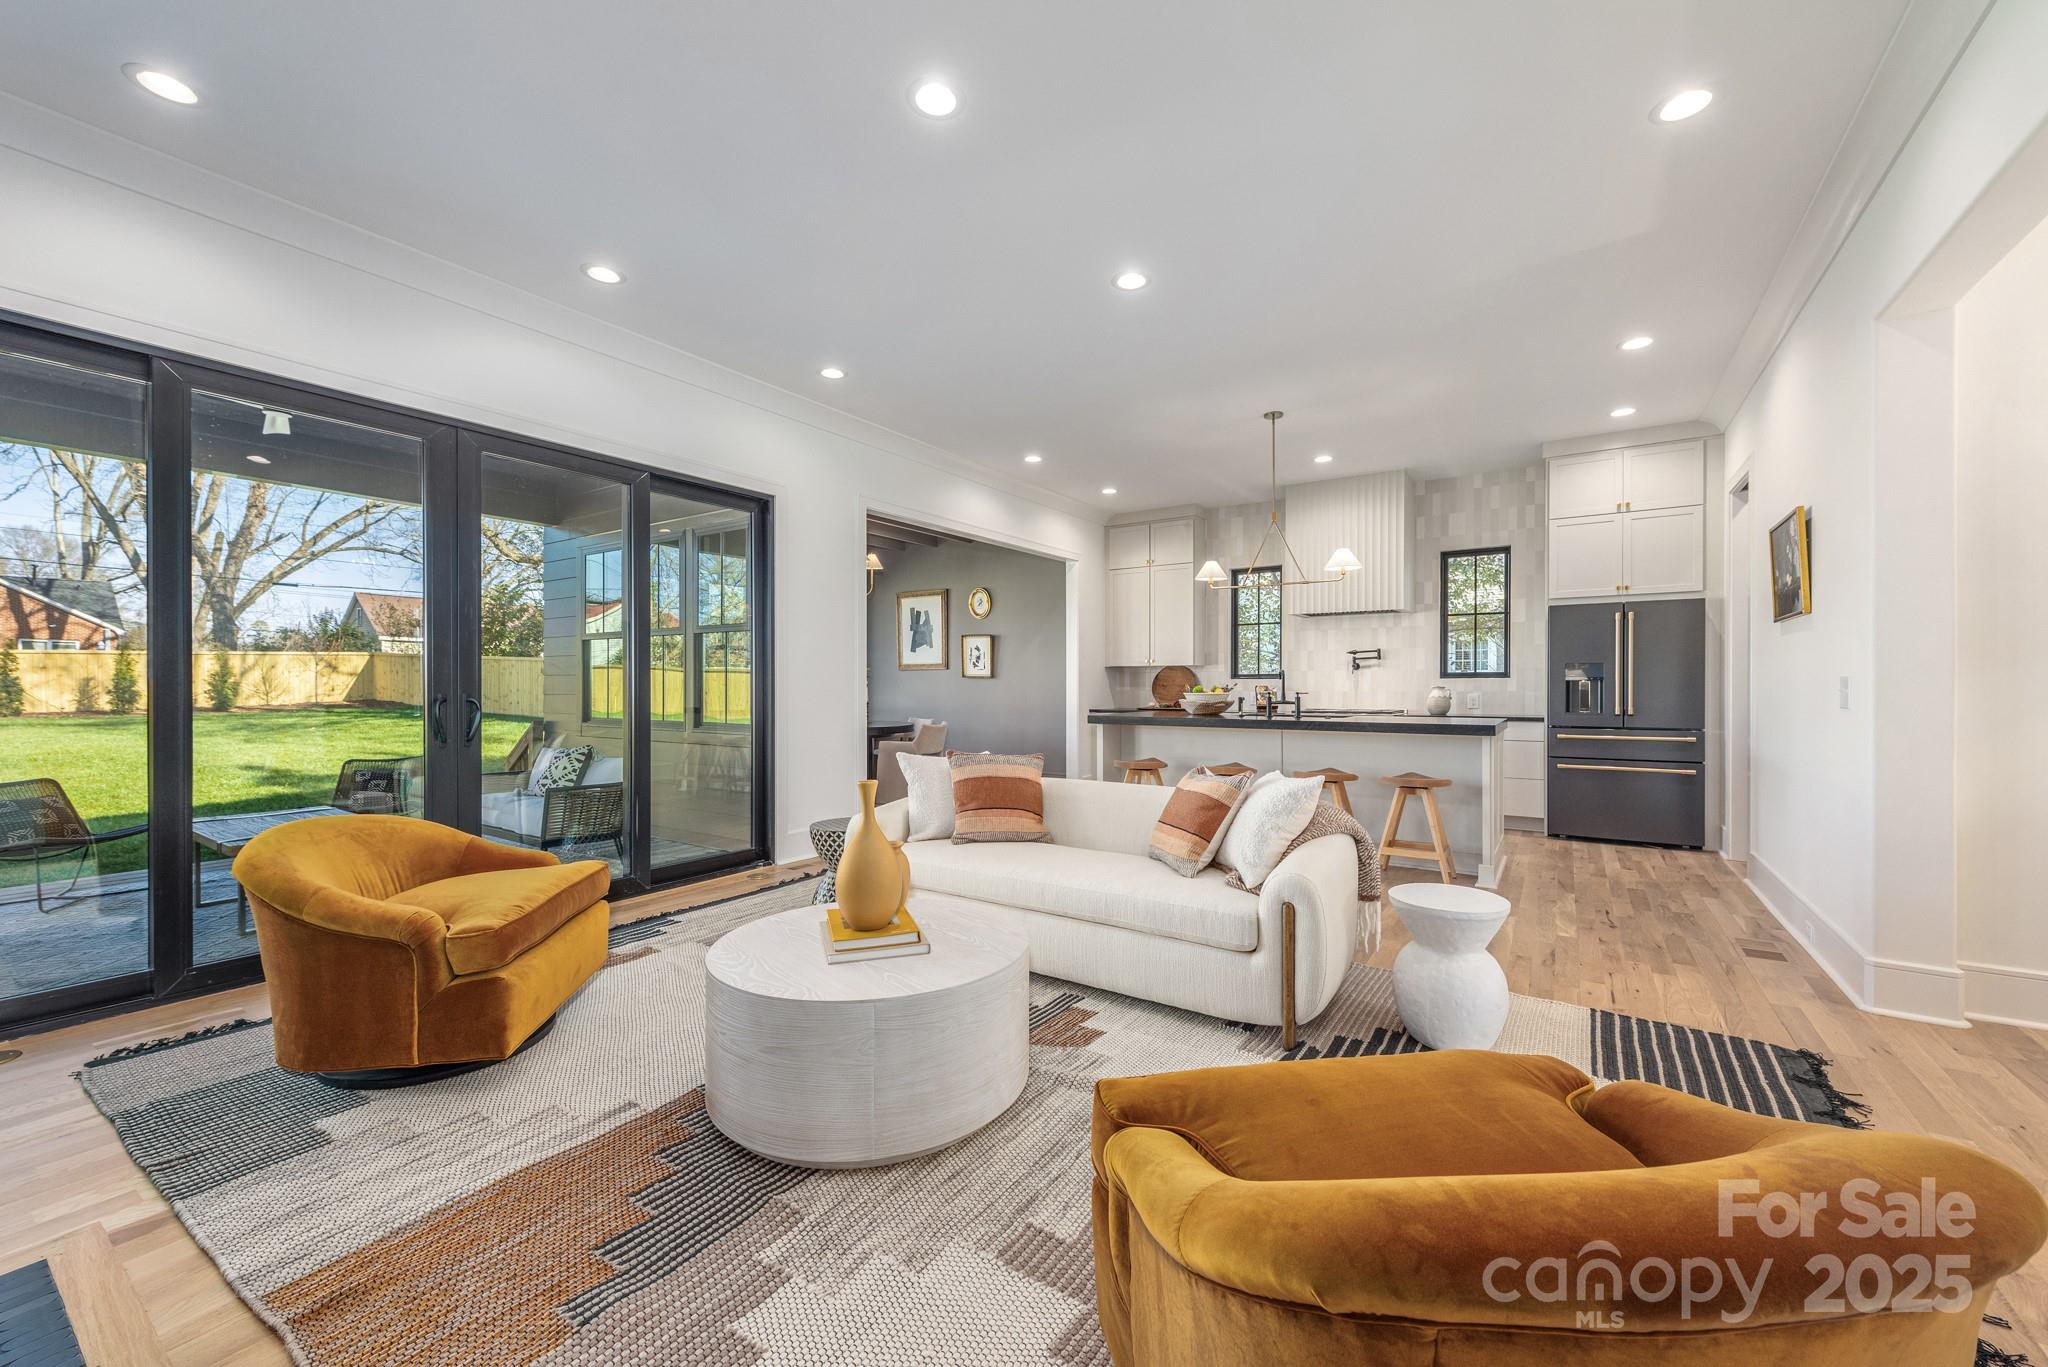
(1023, 709)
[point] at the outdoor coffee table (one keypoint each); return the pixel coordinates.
(225, 836)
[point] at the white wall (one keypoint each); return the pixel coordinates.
(2001, 773)
(102, 234)
(1827, 814)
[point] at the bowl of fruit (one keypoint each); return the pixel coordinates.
(1205, 702)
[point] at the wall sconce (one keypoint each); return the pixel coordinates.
(874, 568)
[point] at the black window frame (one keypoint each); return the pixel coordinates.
(1506, 613)
(1239, 580)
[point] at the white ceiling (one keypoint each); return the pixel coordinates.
(1420, 227)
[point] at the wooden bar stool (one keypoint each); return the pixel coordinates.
(1143, 771)
(1334, 781)
(1439, 847)
(1228, 770)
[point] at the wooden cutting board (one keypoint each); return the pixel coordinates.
(1169, 683)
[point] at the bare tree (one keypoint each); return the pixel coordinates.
(249, 537)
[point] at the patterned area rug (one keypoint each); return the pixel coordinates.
(576, 1207)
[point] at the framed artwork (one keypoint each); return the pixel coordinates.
(977, 657)
(1791, 567)
(921, 629)
(980, 603)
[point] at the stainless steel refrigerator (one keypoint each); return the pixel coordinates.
(1628, 715)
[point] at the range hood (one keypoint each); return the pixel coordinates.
(1375, 516)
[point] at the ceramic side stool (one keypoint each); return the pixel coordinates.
(1450, 992)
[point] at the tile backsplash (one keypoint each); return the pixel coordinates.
(1464, 512)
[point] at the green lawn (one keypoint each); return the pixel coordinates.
(254, 761)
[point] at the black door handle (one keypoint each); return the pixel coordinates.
(437, 718)
(476, 720)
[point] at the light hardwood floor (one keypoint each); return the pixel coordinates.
(1655, 933)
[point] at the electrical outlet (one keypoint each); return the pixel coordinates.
(1842, 694)
(1472, 701)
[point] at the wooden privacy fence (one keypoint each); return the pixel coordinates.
(50, 679)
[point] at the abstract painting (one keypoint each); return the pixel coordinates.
(921, 629)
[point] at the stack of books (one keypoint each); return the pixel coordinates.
(845, 945)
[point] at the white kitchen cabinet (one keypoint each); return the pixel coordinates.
(1671, 475)
(1129, 628)
(1155, 605)
(1588, 556)
(1666, 551)
(1522, 790)
(1173, 615)
(1583, 485)
(1630, 520)
(1129, 548)
(1173, 543)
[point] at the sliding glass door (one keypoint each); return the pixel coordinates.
(74, 703)
(308, 555)
(701, 681)
(552, 725)
(227, 603)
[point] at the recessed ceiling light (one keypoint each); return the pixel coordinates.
(161, 84)
(603, 275)
(1622, 413)
(1131, 280)
(1683, 105)
(1325, 458)
(255, 459)
(934, 99)
(833, 372)
(1637, 343)
(1033, 458)
(1109, 489)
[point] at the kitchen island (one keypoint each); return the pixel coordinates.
(1465, 750)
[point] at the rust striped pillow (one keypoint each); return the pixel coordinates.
(998, 797)
(1192, 826)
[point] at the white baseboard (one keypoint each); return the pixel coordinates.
(2005, 995)
(1927, 993)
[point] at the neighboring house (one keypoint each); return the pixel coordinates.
(390, 620)
(39, 612)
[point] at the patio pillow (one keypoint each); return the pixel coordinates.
(1273, 813)
(998, 797)
(560, 766)
(1196, 816)
(928, 784)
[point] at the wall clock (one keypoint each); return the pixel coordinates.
(980, 602)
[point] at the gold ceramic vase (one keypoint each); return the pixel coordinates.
(873, 876)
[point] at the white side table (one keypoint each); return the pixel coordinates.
(1450, 992)
(854, 1065)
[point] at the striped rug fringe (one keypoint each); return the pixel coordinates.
(173, 1041)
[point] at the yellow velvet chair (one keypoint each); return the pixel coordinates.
(398, 950)
(1392, 1211)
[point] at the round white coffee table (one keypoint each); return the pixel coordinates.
(852, 1065)
(1450, 992)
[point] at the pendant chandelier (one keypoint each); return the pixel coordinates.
(1341, 562)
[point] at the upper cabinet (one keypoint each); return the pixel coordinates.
(1373, 516)
(1630, 520)
(1154, 613)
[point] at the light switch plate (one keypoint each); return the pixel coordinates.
(1842, 695)
(1472, 701)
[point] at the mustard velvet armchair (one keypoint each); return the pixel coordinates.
(1392, 1211)
(398, 950)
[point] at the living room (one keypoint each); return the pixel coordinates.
(977, 684)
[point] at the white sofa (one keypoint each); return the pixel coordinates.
(1099, 911)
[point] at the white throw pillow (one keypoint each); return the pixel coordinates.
(928, 781)
(1271, 815)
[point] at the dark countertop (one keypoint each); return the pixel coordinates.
(1384, 725)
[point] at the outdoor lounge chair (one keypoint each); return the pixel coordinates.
(380, 787)
(38, 822)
